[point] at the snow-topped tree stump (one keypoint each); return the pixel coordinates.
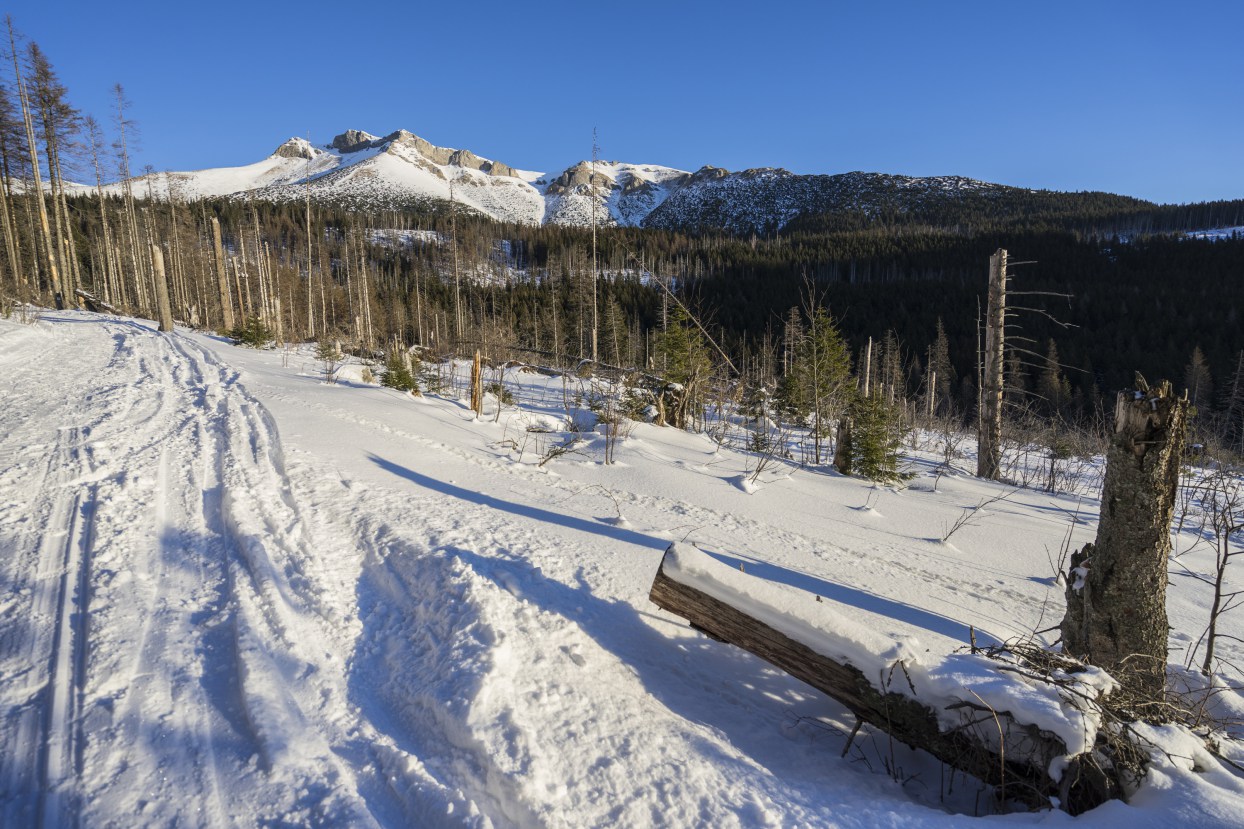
(1027, 726)
(1116, 586)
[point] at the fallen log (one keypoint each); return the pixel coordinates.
(95, 304)
(1023, 760)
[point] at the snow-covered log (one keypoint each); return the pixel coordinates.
(94, 304)
(1030, 739)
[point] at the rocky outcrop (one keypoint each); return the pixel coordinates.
(352, 141)
(296, 148)
(496, 168)
(709, 173)
(466, 158)
(577, 176)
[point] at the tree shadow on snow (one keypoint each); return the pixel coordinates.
(696, 678)
(522, 510)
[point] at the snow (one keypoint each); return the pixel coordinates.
(234, 594)
(1215, 234)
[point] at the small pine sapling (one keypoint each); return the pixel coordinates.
(397, 374)
(877, 432)
(328, 352)
(252, 333)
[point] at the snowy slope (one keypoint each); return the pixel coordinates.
(618, 193)
(767, 199)
(239, 596)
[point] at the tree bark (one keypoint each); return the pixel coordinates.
(222, 278)
(161, 287)
(842, 447)
(1116, 586)
(989, 443)
(477, 386)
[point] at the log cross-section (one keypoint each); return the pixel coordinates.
(1022, 776)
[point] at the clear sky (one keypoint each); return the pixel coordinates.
(1140, 98)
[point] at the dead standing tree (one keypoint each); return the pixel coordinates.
(477, 385)
(989, 435)
(1116, 586)
(163, 305)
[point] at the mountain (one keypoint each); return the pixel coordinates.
(360, 171)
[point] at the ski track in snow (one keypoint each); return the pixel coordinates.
(146, 599)
(377, 616)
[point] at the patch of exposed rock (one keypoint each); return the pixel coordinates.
(352, 141)
(295, 148)
(577, 176)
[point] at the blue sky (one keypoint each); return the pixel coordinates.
(1139, 98)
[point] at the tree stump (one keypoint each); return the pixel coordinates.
(1116, 586)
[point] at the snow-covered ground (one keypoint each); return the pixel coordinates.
(235, 595)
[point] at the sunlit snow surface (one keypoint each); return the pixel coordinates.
(235, 595)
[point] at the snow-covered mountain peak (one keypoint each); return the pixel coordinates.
(297, 148)
(358, 170)
(580, 178)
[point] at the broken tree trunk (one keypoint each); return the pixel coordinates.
(161, 286)
(1116, 586)
(968, 735)
(222, 280)
(842, 447)
(94, 304)
(989, 436)
(477, 386)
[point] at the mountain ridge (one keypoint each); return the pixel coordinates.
(361, 171)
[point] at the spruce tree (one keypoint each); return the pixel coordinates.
(822, 376)
(685, 359)
(1197, 381)
(1233, 408)
(1052, 385)
(939, 362)
(397, 374)
(876, 437)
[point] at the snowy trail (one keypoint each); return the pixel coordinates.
(141, 650)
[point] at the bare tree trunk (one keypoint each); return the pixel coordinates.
(10, 240)
(310, 295)
(477, 386)
(44, 230)
(222, 279)
(1116, 586)
(843, 448)
(161, 288)
(868, 367)
(989, 431)
(453, 219)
